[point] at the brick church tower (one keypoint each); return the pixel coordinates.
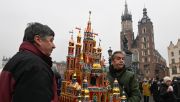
(146, 60)
(127, 29)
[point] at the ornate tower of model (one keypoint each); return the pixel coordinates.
(88, 42)
(70, 59)
(126, 35)
(86, 63)
(116, 91)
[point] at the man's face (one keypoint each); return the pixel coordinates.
(46, 45)
(118, 61)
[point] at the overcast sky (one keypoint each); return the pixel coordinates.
(64, 15)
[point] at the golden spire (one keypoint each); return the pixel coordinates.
(123, 97)
(79, 33)
(99, 47)
(71, 39)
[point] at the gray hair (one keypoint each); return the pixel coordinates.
(116, 52)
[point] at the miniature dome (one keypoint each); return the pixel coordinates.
(96, 66)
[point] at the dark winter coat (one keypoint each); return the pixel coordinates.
(165, 96)
(28, 77)
(127, 80)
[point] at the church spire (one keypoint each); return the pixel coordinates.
(126, 15)
(126, 9)
(145, 17)
(88, 29)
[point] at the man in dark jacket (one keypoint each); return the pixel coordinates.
(125, 78)
(28, 77)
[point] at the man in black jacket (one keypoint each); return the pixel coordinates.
(28, 77)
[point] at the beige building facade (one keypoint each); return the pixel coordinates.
(174, 59)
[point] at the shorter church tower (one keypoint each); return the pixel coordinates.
(127, 34)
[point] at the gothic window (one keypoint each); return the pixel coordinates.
(143, 30)
(172, 53)
(145, 45)
(145, 59)
(145, 39)
(174, 70)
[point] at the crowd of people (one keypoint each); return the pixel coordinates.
(163, 90)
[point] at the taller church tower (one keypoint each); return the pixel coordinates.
(127, 34)
(146, 60)
(146, 45)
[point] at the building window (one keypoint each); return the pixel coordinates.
(144, 30)
(146, 53)
(144, 39)
(179, 52)
(145, 59)
(172, 53)
(145, 45)
(174, 70)
(173, 61)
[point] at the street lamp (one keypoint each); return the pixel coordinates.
(110, 54)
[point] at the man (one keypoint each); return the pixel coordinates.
(125, 78)
(28, 77)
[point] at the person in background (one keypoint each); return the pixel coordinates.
(176, 87)
(166, 92)
(155, 90)
(124, 77)
(146, 90)
(28, 76)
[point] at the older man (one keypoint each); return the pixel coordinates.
(125, 78)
